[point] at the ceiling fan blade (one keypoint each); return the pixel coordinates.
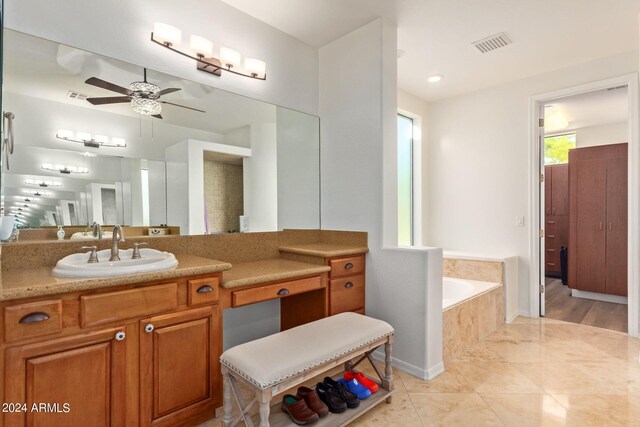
(182, 106)
(109, 100)
(157, 116)
(94, 81)
(168, 90)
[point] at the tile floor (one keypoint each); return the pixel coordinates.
(533, 372)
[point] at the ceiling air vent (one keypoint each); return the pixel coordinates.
(77, 95)
(493, 42)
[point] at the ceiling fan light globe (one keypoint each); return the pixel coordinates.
(147, 107)
(144, 87)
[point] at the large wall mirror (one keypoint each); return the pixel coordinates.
(207, 161)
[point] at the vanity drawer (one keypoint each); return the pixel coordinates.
(115, 306)
(277, 290)
(203, 291)
(347, 266)
(346, 294)
(32, 319)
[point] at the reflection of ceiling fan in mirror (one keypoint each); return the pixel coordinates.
(143, 96)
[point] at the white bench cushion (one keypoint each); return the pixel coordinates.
(270, 360)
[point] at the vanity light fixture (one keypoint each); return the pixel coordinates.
(95, 141)
(66, 170)
(40, 193)
(201, 50)
(43, 184)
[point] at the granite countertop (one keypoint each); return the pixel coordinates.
(324, 250)
(269, 270)
(34, 282)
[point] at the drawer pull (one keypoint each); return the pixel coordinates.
(551, 236)
(204, 289)
(348, 266)
(36, 317)
(283, 291)
(551, 250)
(551, 222)
(551, 263)
(348, 285)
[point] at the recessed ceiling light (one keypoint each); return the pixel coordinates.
(434, 78)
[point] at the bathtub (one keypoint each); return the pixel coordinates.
(456, 291)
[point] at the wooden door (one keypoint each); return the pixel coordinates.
(179, 367)
(560, 189)
(82, 378)
(548, 179)
(616, 225)
(589, 242)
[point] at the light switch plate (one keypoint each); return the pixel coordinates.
(519, 221)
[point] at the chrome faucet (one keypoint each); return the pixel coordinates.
(117, 236)
(97, 230)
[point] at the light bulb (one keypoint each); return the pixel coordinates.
(201, 46)
(256, 67)
(166, 34)
(229, 57)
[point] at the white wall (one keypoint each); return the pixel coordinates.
(358, 117)
(602, 135)
(121, 29)
(298, 170)
(260, 179)
(478, 163)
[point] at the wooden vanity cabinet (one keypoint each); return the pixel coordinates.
(346, 284)
(80, 377)
(153, 364)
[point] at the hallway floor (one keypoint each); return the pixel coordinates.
(532, 372)
(560, 305)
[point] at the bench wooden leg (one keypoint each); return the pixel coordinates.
(387, 382)
(227, 420)
(264, 398)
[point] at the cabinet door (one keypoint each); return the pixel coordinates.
(81, 378)
(179, 368)
(590, 238)
(548, 179)
(616, 225)
(560, 190)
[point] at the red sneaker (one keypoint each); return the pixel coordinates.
(362, 379)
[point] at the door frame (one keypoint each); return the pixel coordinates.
(536, 190)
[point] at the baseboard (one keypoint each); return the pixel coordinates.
(523, 313)
(512, 317)
(599, 297)
(410, 369)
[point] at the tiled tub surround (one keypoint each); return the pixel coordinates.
(23, 263)
(467, 323)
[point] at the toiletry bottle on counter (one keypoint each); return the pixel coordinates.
(60, 233)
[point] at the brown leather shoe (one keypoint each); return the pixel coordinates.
(298, 410)
(313, 401)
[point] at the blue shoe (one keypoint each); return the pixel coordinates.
(356, 388)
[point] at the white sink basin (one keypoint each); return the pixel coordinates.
(76, 265)
(88, 236)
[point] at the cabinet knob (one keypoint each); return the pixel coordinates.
(283, 291)
(204, 289)
(120, 336)
(348, 266)
(149, 327)
(36, 317)
(348, 285)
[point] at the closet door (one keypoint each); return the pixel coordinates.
(590, 235)
(560, 190)
(616, 224)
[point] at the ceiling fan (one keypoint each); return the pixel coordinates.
(143, 96)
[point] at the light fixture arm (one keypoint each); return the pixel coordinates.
(208, 65)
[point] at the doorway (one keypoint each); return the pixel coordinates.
(586, 155)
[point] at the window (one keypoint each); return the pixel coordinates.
(556, 148)
(405, 181)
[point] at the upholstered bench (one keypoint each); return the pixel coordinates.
(273, 364)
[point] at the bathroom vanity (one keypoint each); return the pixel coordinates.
(144, 349)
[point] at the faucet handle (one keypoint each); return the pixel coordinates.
(93, 256)
(136, 250)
